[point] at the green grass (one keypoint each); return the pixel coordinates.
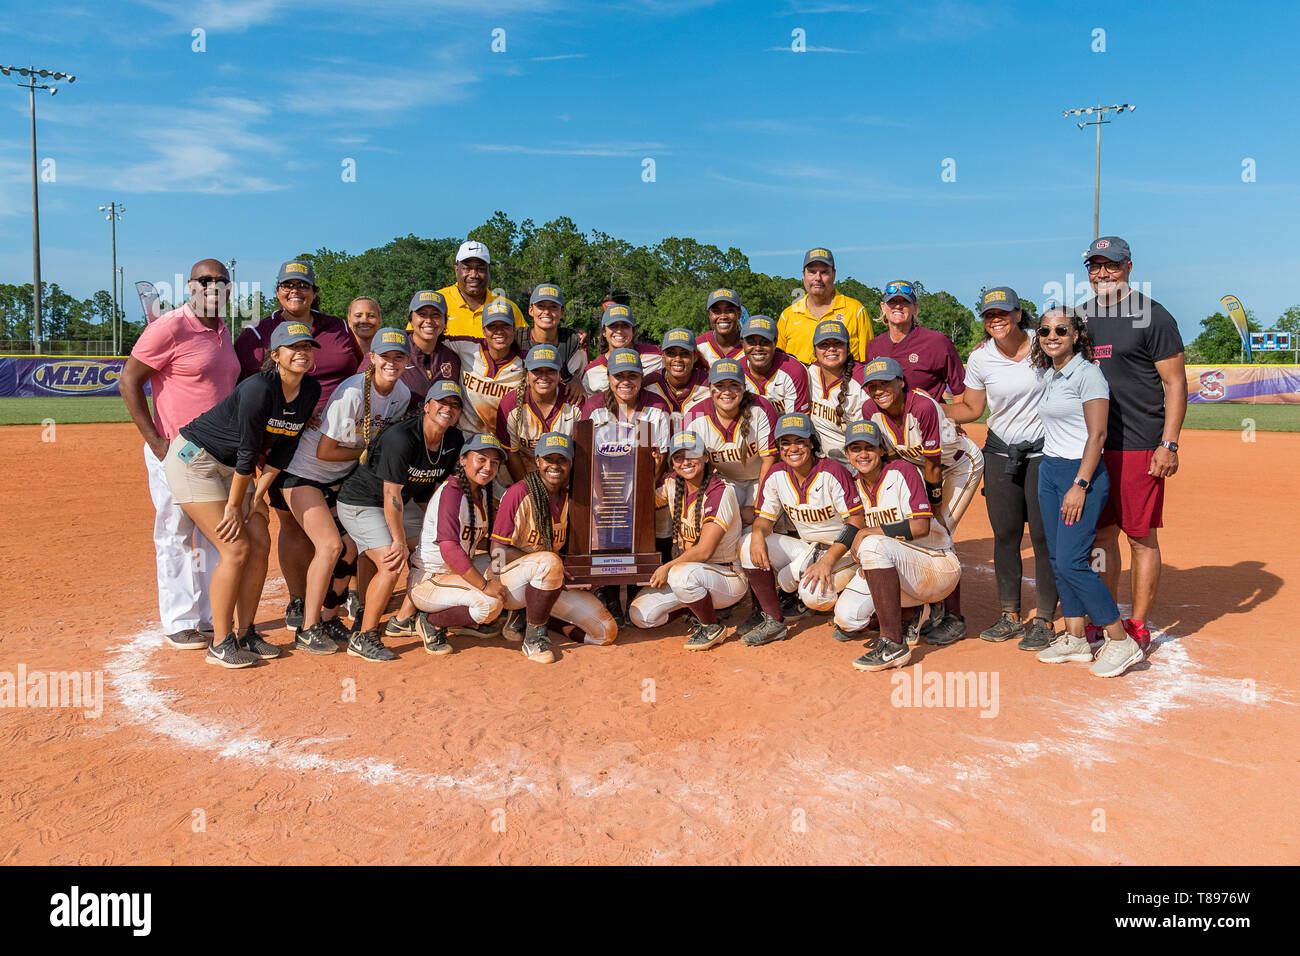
(71, 411)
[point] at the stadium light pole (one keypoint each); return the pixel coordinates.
(1100, 112)
(32, 73)
(114, 210)
(121, 296)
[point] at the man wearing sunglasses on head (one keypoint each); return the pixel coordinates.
(820, 303)
(1140, 351)
(929, 359)
(187, 357)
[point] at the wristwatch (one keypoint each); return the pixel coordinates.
(1083, 483)
(1171, 445)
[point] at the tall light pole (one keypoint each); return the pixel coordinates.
(114, 211)
(234, 297)
(32, 86)
(1100, 112)
(121, 297)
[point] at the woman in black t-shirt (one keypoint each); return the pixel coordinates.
(382, 503)
(209, 469)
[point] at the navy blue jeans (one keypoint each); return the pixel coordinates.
(1081, 589)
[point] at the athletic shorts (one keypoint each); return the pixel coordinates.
(367, 527)
(1137, 501)
(275, 496)
(203, 478)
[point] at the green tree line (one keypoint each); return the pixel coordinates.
(63, 317)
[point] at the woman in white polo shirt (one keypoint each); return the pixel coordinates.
(1072, 489)
(1001, 378)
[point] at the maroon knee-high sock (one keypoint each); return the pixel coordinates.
(703, 609)
(887, 594)
(538, 604)
(764, 585)
(451, 617)
(952, 603)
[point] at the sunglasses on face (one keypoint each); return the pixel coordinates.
(1114, 268)
(206, 281)
(295, 286)
(899, 288)
(1046, 330)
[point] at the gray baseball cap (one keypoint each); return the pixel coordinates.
(616, 313)
(547, 293)
(758, 325)
(866, 431)
(796, 423)
(678, 339)
(428, 297)
(444, 389)
(882, 370)
(830, 329)
(723, 295)
(818, 255)
(688, 442)
(291, 333)
(624, 360)
(484, 442)
(390, 340)
(726, 370)
(542, 356)
(498, 310)
(1109, 247)
(554, 443)
(1002, 297)
(296, 269)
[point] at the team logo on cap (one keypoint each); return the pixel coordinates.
(548, 290)
(995, 296)
(724, 292)
(1102, 243)
(819, 252)
(626, 359)
(792, 421)
(490, 441)
(726, 367)
(876, 366)
(832, 327)
(760, 323)
(297, 328)
(864, 430)
(619, 310)
(543, 353)
(295, 267)
(429, 297)
(556, 441)
(394, 338)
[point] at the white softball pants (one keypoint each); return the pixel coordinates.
(724, 585)
(961, 483)
(790, 558)
(926, 576)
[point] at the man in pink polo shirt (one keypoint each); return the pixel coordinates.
(189, 361)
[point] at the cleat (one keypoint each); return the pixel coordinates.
(705, 636)
(1139, 632)
(434, 638)
(337, 630)
(768, 630)
(513, 629)
(884, 655)
(949, 630)
(537, 644)
(398, 628)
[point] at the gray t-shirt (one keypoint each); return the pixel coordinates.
(1065, 432)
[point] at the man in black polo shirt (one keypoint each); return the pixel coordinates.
(1139, 349)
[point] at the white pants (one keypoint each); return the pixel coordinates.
(438, 592)
(724, 585)
(186, 559)
(790, 558)
(926, 576)
(961, 482)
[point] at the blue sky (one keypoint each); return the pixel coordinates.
(237, 151)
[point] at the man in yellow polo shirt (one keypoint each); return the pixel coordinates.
(472, 291)
(794, 333)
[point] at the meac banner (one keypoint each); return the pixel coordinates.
(47, 376)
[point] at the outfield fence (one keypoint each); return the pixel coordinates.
(1244, 384)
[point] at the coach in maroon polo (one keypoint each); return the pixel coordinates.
(929, 359)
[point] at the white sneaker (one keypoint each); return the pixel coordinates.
(1116, 657)
(1066, 648)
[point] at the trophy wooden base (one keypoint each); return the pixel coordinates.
(616, 569)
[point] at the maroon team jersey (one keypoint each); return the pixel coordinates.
(337, 358)
(929, 359)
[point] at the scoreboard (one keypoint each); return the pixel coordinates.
(1270, 341)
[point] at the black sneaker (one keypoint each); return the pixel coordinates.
(352, 605)
(483, 631)
(337, 630)
(792, 607)
(398, 628)
(1038, 635)
(294, 612)
(768, 630)
(537, 644)
(1006, 628)
(609, 597)
(254, 643)
(705, 636)
(229, 654)
(949, 630)
(187, 640)
(884, 655)
(516, 623)
(434, 638)
(845, 636)
(314, 640)
(356, 621)
(368, 646)
(748, 624)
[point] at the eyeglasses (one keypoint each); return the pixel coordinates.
(296, 285)
(1114, 268)
(1045, 330)
(899, 288)
(206, 281)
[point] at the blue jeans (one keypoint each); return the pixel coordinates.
(1081, 589)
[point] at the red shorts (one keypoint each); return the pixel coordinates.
(1137, 501)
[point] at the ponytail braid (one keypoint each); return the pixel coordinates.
(846, 379)
(541, 501)
(467, 490)
(705, 478)
(515, 423)
(679, 540)
(368, 382)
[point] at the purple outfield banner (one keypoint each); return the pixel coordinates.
(1246, 384)
(46, 376)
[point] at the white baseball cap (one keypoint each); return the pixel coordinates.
(473, 250)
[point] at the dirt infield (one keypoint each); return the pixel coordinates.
(643, 752)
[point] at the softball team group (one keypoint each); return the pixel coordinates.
(825, 482)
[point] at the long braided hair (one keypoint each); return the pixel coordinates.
(468, 489)
(516, 421)
(540, 498)
(747, 402)
(846, 380)
(679, 483)
(367, 383)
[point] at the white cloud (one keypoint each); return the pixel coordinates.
(590, 149)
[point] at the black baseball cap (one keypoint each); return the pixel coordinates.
(1109, 247)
